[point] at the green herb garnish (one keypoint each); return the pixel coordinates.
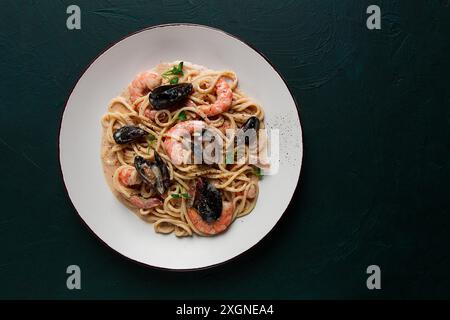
(174, 80)
(175, 71)
(182, 115)
(150, 138)
(258, 172)
(182, 195)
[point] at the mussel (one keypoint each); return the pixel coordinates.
(164, 170)
(154, 173)
(252, 123)
(128, 133)
(167, 96)
(208, 201)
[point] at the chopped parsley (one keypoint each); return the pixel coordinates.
(150, 139)
(182, 116)
(172, 74)
(184, 195)
(258, 172)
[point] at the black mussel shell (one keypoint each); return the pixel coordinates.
(167, 96)
(251, 123)
(165, 176)
(154, 173)
(208, 201)
(127, 134)
(145, 170)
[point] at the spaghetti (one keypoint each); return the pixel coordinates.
(207, 104)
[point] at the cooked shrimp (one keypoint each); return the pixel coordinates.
(223, 102)
(175, 149)
(218, 226)
(142, 84)
(129, 177)
(150, 113)
(142, 203)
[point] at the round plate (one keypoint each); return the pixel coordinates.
(80, 136)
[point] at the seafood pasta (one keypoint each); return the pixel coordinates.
(169, 148)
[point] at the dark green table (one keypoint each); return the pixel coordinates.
(375, 110)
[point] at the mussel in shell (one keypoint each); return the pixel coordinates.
(208, 201)
(167, 96)
(128, 134)
(164, 171)
(154, 173)
(251, 123)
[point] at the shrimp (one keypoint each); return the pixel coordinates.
(175, 149)
(142, 203)
(216, 227)
(223, 102)
(129, 177)
(142, 84)
(150, 113)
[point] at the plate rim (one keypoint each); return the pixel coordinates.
(81, 74)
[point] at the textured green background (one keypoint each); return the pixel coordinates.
(375, 109)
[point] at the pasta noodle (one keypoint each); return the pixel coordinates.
(238, 183)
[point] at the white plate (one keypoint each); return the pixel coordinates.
(80, 136)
